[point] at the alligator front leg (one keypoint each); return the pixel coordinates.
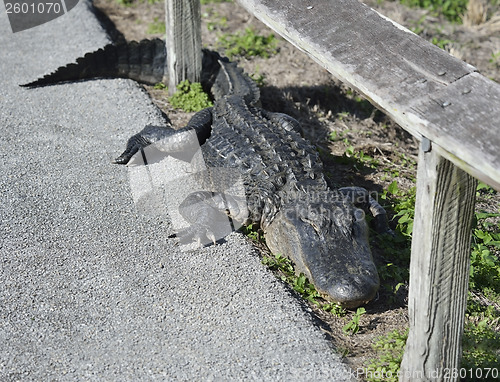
(182, 143)
(210, 216)
(361, 198)
(283, 120)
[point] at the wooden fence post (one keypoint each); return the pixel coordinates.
(183, 40)
(439, 268)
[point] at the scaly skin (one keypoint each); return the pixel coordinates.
(321, 230)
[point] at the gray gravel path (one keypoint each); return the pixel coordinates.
(91, 289)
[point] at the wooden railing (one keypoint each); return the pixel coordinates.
(452, 110)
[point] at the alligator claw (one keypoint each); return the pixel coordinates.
(196, 233)
(210, 236)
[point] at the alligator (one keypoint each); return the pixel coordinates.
(322, 230)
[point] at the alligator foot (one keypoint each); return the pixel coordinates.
(209, 214)
(196, 233)
(283, 120)
(182, 143)
(361, 198)
(148, 135)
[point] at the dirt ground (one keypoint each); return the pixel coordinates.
(294, 84)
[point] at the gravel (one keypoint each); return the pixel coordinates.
(92, 287)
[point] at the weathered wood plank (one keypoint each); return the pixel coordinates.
(399, 72)
(439, 268)
(183, 40)
(463, 121)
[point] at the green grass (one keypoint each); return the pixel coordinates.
(352, 327)
(284, 270)
(160, 86)
(156, 27)
(451, 9)
(219, 23)
(442, 43)
(260, 79)
(359, 160)
(190, 97)
(395, 272)
(495, 58)
(248, 44)
(480, 345)
(390, 349)
(254, 233)
(485, 264)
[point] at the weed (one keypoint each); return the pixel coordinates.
(307, 290)
(366, 159)
(160, 86)
(279, 263)
(219, 23)
(248, 44)
(254, 233)
(395, 273)
(480, 353)
(481, 340)
(156, 27)
(190, 97)
(485, 263)
(357, 159)
(334, 308)
(484, 191)
(343, 115)
(495, 58)
(417, 29)
(481, 344)
(403, 203)
(336, 136)
(284, 270)
(440, 42)
(391, 348)
(451, 9)
(259, 79)
(352, 327)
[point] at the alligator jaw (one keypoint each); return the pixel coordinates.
(334, 254)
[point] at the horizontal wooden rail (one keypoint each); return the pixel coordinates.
(424, 89)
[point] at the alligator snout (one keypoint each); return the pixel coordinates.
(354, 291)
(335, 256)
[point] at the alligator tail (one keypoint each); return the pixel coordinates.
(232, 80)
(142, 61)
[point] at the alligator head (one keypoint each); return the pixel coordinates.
(328, 242)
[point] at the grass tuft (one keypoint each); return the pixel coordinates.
(248, 44)
(190, 97)
(451, 9)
